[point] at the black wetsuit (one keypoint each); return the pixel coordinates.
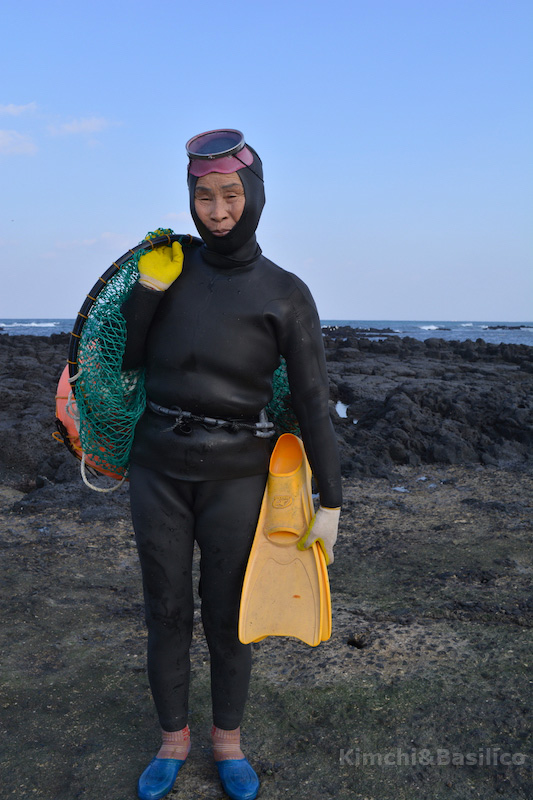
(210, 345)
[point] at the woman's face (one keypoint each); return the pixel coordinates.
(219, 201)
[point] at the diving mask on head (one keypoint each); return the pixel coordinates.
(225, 151)
(222, 151)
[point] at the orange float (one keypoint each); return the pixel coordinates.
(68, 432)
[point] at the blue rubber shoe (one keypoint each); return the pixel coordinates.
(158, 778)
(238, 778)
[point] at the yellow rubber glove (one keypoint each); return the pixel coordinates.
(323, 529)
(159, 268)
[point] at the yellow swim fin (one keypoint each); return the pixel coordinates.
(286, 590)
(326, 602)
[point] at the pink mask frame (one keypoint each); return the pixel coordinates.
(223, 150)
(200, 167)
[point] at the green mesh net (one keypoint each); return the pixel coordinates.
(110, 400)
(279, 410)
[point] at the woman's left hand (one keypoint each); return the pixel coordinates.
(323, 529)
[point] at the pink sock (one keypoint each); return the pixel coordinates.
(176, 744)
(226, 744)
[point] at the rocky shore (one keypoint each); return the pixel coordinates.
(425, 682)
(394, 401)
(431, 402)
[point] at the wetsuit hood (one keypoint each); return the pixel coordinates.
(239, 247)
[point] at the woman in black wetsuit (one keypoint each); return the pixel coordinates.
(210, 342)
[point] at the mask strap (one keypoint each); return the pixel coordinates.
(249, 167)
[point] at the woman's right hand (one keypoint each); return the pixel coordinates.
(159, 268)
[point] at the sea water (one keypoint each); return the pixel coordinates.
(35, 327)
(494, 332)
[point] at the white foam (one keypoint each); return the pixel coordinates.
(29, 324)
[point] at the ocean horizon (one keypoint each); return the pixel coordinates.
(494, 332)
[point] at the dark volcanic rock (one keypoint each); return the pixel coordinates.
(408, 402)
(412, 402)
(30, 367)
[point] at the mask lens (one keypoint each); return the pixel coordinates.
(215, 144)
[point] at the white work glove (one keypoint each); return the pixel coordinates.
(323, 529)
(159, 268)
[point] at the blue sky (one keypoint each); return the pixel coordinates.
(395, 136)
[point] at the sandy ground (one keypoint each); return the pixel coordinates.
(423, 691)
